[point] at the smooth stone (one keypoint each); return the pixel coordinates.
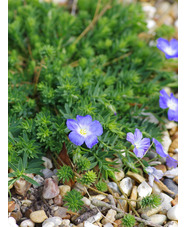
(11, 206)
(151, 154)
(166, 141)
(119, 175)
(40, 180)
(38, 216)
(175, 156)
(113, 186)
(65, 223)
(86, 201)
(64, 189)
(47, 173)
(17, 215)
(170, 124)
(144, 189)
(124, 204)
(21, 186)
(12, 222)
(55, 220)
(50, 189)
(126, 185)
(88, 224)
(61, 212)
(174, 145)
(156, 189)
(108, 225)
(47, 163)
(158, 219)
(80, 188)
(161, 167)
(110, 217)
(27, 223)
(151, 211)
(171, 173)
(163, 7)
(99, 197)
(136, 176)
(171, 224)
(171, 186)
(95, 218)
(26, 202)
(172, 213)
(58, 200)
(165, 202)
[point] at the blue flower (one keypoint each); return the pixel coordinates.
(84, 130)
(170, 102)
(169, 48)
(170, 162)
(154, 174)
(141, 145)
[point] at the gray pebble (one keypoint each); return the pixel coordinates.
(113, 186)
(172, 186)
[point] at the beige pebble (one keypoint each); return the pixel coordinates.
(38, 216)
(134, 195)
(161, 167)
(21, 186)
(173, 145)
(137, 177)
(119, 175)
(176, 179)
(64, 189)
(110, 217)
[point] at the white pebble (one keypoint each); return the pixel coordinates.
(126, 185)
(166, 202)
(12, 222)
(157, 219)
(171, 173)
(144, 189)
(172, 213)
(27, 223)
(47, 163)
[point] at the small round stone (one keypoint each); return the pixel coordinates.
(38, 216)
(27, 223)
(172, 213)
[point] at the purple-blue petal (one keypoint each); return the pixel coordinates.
(173, 115)
(171, 162)
(91, 140)
(130, 137)
(139, 152)
(84, 120)
(137, 135)
(174, 44)
(151, 180)
(145, 143)
(162, 44)
(159, 148)
(72, 124)
(96, 128)
(76, 138)
(163, 99)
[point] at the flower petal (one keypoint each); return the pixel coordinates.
(76, 138)
(163, 99)
(174, 45)
(171, 162)
(137, 135)
(139, 152)
(173, 115)
(91, 140)
(162, 44)
(72, 124)
(159, 148)
(145, 143)
(130, 137)
(84, 120)
(96, 128)
(158, 174)
(151, 179)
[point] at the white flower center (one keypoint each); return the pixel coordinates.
(172, 105)
(137, 145)
(169, 51)
(83, 131)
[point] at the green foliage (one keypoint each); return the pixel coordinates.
(101, 186)
(110, 74)
(22, 167)
(151, 201)
(65, 173)
(89, 177)
(128, 220)
(73, 200)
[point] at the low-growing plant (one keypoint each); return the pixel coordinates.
(73, 200)
(65, 173)
(128, 220)
(150, 201)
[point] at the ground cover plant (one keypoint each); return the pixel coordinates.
(86, 94)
